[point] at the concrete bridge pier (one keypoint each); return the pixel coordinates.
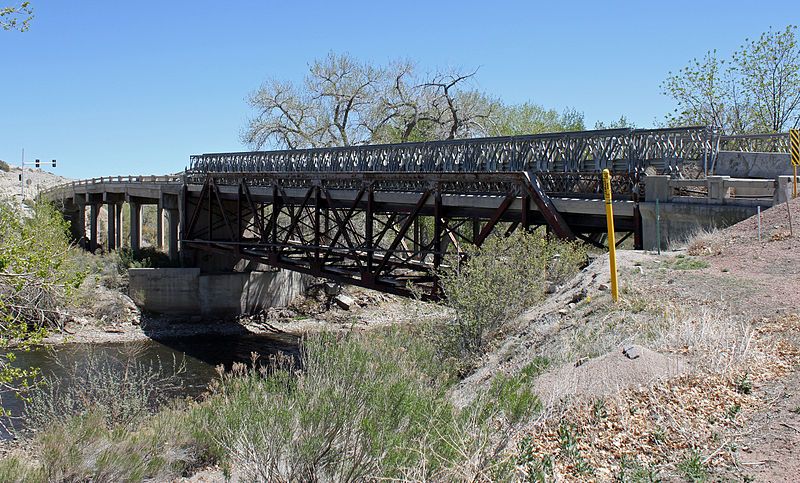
(169, 205)
(118, 217)
(111, 213)
(136, 224)
(78, 226)
(113, 203)
(159, 225)
(94, 212)
(172, 234)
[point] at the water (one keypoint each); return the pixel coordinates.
(200, 355)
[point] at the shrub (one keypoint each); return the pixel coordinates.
(4, 166)
(36, 278)
(81, 448)
(496, 282)
(358, 409)
(120, 388)
(147, 257)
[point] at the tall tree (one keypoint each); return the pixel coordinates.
(529, 118)
(620, 123)
(345, 102)
(17, 17)
(756, 90)
(769, 71)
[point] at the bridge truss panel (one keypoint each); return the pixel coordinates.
(631, 150)
(332, 226)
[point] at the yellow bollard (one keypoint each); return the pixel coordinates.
(612, 249)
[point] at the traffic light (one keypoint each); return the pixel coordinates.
(37, 163)
(54, 163)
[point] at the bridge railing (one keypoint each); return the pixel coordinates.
(762, 143)
(55, 191)
(630, 150)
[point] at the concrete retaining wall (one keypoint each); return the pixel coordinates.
(185, 291)
(752, 165)
(679, 221)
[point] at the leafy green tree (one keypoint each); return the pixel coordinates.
(37, 274)
(768, 69)
(17, 17)
(756, 90)
(620, 123)
(529, 118)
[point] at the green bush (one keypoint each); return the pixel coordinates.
(147, 257)
(363, 407)
(4, 166)
(119, 387)
(37, 277)
(358, 409)
(492, 284)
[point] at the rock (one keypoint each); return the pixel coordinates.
(578, 296)
(603, 287)
(631, 352)
(344, 302)
(551, 288)
(332, 289)
(563, 311)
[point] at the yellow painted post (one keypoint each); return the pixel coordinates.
(794, 152)
(612, 244)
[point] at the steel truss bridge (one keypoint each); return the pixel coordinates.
(388, 216)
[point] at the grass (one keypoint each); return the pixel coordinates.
(692, 467)
(743, 384)
(632, 471)
(351, 412)
(682, 262)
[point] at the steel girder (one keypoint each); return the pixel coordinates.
(384, 245)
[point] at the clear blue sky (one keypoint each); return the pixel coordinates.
(114, 87)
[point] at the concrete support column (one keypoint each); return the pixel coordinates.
(94, 212)
(716, 187)
(657, 188)
(136, 225)
(111, 212)
(118, 217)
(159, 225)
(80, 225)
(783, 189)
(173, 218)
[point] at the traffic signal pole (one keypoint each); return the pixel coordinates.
(36, 164)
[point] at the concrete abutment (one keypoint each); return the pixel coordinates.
(188, 291)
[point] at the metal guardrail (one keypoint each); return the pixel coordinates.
(630, 150)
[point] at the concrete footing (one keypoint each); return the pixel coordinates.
(186, 291)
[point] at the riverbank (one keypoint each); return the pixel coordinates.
(307, 315)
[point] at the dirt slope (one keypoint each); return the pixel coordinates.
(715, 391)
